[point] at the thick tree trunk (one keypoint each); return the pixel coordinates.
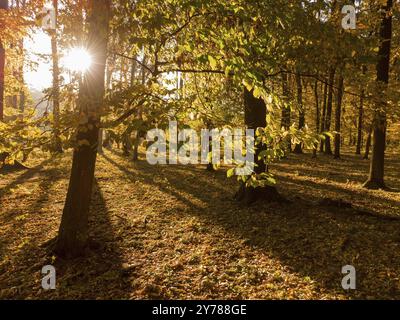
(73, 232)
(57, 147)
(328, 149)
(255, 117)
(338, 116)
(376, 174)
(298, 148)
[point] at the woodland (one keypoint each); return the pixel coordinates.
(77, 191)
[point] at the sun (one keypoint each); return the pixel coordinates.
(77, 60)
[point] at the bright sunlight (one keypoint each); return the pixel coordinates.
(77, 60)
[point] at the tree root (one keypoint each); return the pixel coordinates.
(249, 195)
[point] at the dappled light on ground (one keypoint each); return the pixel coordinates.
(175, 232)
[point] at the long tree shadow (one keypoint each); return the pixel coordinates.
(27, 175)
(101, 266)
(312, 242)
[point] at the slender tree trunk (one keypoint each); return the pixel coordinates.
(3, 6)
(21, 61)
(2, 65)
(317, 115)
(376, 174)
(338, 116)
(321, 149)
(285, 119)
(73, 232)
(298, 148)
(328, 149)
(138, 133)
(360, 119)
(104, 136)
(57, 147)
(368, 145)
(360, 123)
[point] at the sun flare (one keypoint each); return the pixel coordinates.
(77, 60)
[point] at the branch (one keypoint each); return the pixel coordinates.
(125, 116)
(136, 60)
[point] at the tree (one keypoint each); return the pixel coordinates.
(255, 118)
(377, 166)
(321, 149)
(298, 148)
(360, 118)
(3, 6)
(317, 115)
(57, 147)
(328, 116)
(338, 115)
(73, 232)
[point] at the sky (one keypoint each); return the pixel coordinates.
(40, 78)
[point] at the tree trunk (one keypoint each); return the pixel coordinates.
(2, 65)
(100, 142)
(139, 132)
(285, 120)
(338, 115)
(57, 147)
(73, 232)
(328, 149)
(360, 123)
(321, 149)
(298, 148)
(368, 145)
(360, 119)
(376, 174)
(317, 115)
(255, 117)
(3, 6)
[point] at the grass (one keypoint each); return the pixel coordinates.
(174, 232)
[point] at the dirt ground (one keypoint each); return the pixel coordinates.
(174, 232)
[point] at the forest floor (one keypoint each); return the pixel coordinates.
(174, 232)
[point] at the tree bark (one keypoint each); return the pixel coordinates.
(2, 67)
(255, 117)
(285, 120)
(57, 146)
(377, 166)
(360, 124)
(328, 149)
(360, 119)
(3, 6)
(73, 232)
(338, 116)
(368, 145)
(321, 149)
(298, 148)
(317, 115)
